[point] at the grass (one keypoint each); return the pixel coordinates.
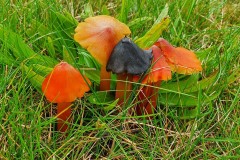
(211, 131)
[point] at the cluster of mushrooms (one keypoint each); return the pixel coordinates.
(106, 40)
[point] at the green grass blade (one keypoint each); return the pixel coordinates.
(153, 34)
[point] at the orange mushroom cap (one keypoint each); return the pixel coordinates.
(99, 35)
(160, 70)
(180, 59)
(64, 84)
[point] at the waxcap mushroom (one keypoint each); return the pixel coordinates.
(99, 35)
(159, 70)
(64, 84)
(180, 60)
(128, 58)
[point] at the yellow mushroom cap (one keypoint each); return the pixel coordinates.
(99, 35)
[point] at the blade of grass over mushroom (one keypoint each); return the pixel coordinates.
(153, 34)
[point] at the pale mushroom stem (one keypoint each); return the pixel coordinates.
(63, 115)
(123, 88)
(104, 79)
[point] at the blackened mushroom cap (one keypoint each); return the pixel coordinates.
(127, 57)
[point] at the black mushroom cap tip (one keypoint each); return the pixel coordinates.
(128, 58)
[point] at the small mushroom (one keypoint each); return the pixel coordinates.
(127, 59)
(160, 70)
(178, 60)
(99, 35)
(62, 86)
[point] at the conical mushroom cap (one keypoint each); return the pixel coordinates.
(64, 84)
(180, 59)
(128, 58)
(160, 70)
(99, 35)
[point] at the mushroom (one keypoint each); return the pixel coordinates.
(99, 35)
(166, 59)
(179, 59)
(127, 59)
(160, 70)
(62, 86)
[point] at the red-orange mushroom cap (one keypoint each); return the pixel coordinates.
(99, 35)
(180, 59)
(64, 84)
(160, 70)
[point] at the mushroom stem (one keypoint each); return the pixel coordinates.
(63, 115)
(123, 88)
(104, 79)
(151, 106)
(148, 97)
(143, 99)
